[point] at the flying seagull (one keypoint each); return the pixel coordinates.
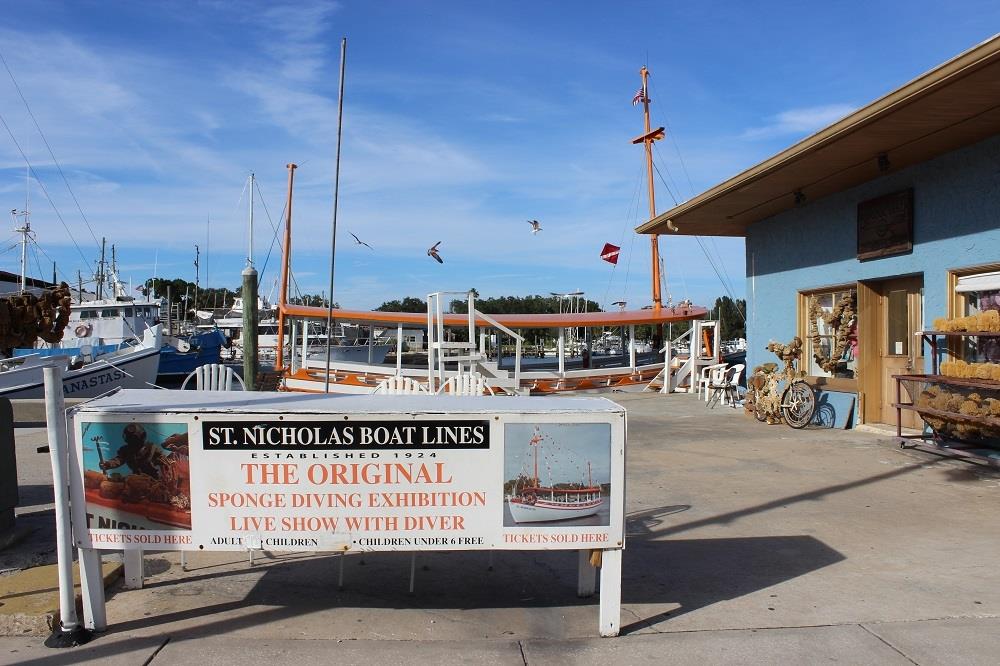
(536, 226)
(361, 242)
(433, 252)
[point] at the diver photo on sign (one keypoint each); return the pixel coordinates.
(136, 475)
(557, 474)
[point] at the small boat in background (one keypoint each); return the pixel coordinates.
(180, 356)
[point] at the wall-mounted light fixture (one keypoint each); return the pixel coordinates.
(671, 226)
(883, 162)
(800, 197)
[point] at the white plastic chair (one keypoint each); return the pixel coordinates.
(472, 383)
(399, 385)
(710, 374)
(214, 377)
(727, 390)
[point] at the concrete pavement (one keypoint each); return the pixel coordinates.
(747, 543)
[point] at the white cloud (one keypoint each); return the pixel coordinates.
(799, 121)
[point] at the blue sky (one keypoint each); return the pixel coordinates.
(461, 122)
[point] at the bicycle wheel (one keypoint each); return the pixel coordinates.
(798, 403)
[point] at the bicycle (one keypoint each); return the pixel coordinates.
(796, 404)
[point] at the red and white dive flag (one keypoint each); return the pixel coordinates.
(610, 253)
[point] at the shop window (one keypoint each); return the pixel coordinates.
(830, 345)
(980, 292)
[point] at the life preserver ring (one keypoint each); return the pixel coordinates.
(82, 330)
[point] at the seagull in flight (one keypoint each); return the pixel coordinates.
(361, 242)
(536, 226)
(433, 252)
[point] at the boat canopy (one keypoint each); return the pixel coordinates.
(664, 315)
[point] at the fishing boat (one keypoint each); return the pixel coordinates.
(103, 324)
(87, 371)
(535, 503)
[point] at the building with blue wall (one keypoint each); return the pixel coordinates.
(870, 226)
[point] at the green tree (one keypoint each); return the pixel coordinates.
(408, 304)
(731, 314)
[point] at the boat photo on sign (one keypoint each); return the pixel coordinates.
(557, 474)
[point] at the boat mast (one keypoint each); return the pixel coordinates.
(336, 198)
(286, 256)
(25, 231)
(250, 250)
(538, 484)
(647, 140)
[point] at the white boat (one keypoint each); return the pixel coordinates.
(534, 503)
(130, 367)
(230, 322)
(549, 504)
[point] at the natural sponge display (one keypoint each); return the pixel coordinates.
(990, 371)
(942, 406)
(983, 322)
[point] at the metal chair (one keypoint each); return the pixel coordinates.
(399, 385)
(727, 390)
(214, 377)
(710, 374)
(471, 383)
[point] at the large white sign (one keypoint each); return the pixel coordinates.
(228, 481)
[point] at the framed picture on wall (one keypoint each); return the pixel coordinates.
(885, 225)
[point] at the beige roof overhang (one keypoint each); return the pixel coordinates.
(953, 105)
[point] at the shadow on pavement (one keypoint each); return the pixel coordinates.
(695, 573)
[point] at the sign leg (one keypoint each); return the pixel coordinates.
(133, 568)
(611, 593)
(586, 581)
(95, 614)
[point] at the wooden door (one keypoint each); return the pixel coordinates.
(901, 352)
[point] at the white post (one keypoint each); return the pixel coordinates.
(399, 349)
(69, 632)
(292, 365)
(471, 309)
(586, 579)
(631, 347)
(610, 617)
(562, 347)
(430, 342)
(95, 615)
(668, 360)
(305, 342)
(133, 561)
(440, 334)
(517, 362)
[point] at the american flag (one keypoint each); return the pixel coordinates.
(640, 96)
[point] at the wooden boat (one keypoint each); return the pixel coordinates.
(305, 372)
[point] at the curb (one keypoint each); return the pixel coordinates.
(29, 599)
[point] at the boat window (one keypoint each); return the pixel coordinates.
(87, 314)
(128, 312)
(111, 312)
